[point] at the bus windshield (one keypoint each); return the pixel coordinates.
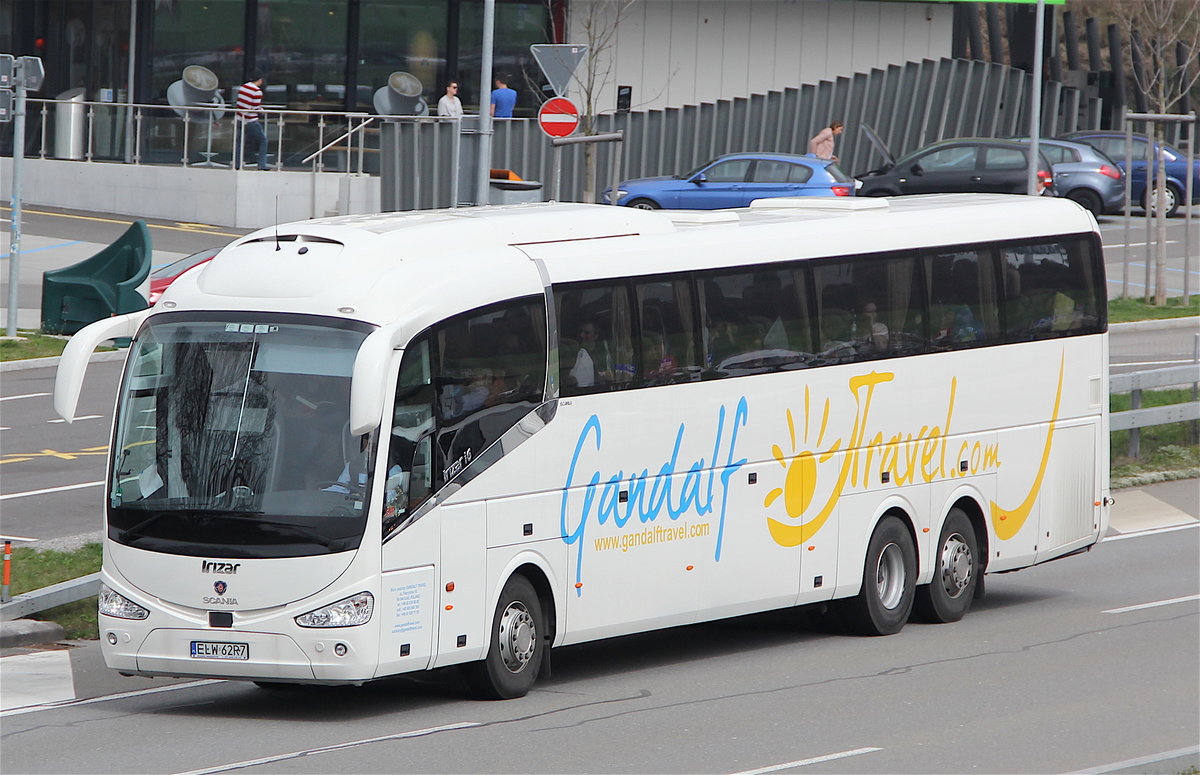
(233, 438)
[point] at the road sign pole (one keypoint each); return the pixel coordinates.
(14, 250)
(556, 176)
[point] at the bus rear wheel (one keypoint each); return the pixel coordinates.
(883, 604)
(516, 648)
(948, 596)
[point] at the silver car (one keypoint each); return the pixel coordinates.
(1084, 174)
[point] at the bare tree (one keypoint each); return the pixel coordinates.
(597, 21)
(1165, 41)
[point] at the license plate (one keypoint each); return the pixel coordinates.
(204, 649)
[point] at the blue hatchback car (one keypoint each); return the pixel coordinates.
(1112, 143)
(735, 180)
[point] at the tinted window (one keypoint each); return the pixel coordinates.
(1058, 154)
(668, 326)
(837, 174)
(1052, 289)
(491, 372)
(755, 322)
(958, 157)
(868, 308)
(595, 343)
(410, 475)
(1003, 159)
(767, 171)
(736, 171)
(962, 298)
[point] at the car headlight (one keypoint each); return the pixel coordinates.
(620, 194)
(112, 604)
(349, 612)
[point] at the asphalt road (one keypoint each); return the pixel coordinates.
(1088, 664)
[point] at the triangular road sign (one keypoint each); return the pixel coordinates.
(558, 61)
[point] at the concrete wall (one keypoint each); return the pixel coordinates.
(680, 52)
(220, 197)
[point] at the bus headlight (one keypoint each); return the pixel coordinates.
(352, 611)
(112, 604)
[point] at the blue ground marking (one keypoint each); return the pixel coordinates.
(48, 247)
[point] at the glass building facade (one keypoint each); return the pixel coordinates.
(315, 54)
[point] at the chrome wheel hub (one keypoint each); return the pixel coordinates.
(517, 636)
(957, 565)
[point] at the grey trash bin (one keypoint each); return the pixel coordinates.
(70, 117)
(512, 192)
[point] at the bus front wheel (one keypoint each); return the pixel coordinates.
(883, 604)
(949, 594)
(517, 646)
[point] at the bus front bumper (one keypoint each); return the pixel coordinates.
(230, 654)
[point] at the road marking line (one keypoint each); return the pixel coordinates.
(27, 211)
(1155, 604)
(27, 395)
(335, 747)
(49, 490)
(1144, 760)
(805, 762)
(106, 698)
(77, 419)
(1150, 532)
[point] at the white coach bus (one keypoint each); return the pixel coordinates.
(360, 446)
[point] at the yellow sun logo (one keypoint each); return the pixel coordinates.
(799, 481)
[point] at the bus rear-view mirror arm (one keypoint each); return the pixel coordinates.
(75, 357)
(370, 378)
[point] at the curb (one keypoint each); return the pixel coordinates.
(29, 632)
(43, 363)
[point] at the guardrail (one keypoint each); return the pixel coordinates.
(1131, 420)
(1137, 417)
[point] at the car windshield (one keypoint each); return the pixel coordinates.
(695, 172)
(233, 437)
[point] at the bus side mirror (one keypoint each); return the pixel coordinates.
(367, 397)
(78, 352)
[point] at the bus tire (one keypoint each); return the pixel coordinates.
(883, 604)
(948, 596)
(516, 648)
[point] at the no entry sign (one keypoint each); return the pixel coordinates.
(558, 117)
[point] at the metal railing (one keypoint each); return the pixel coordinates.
(203, 135)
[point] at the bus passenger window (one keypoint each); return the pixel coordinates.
(595, 348)
(869, 308)
(1051, 289)
(963, 307)
(491, 373)
(754, 322)
(669, 353)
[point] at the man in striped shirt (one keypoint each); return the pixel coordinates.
(249, 110)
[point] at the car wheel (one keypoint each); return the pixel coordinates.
(1170, 195)
(949, 594)
(889, 579)
(1088, 199)
(644, 204)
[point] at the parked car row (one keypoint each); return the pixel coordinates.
(1086, 167)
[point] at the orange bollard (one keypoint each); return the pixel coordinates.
(7, 570)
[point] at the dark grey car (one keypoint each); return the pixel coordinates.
(1084, 174)
(974, 164)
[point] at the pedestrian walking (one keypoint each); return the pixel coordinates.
(249, 112)
(821, 145)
